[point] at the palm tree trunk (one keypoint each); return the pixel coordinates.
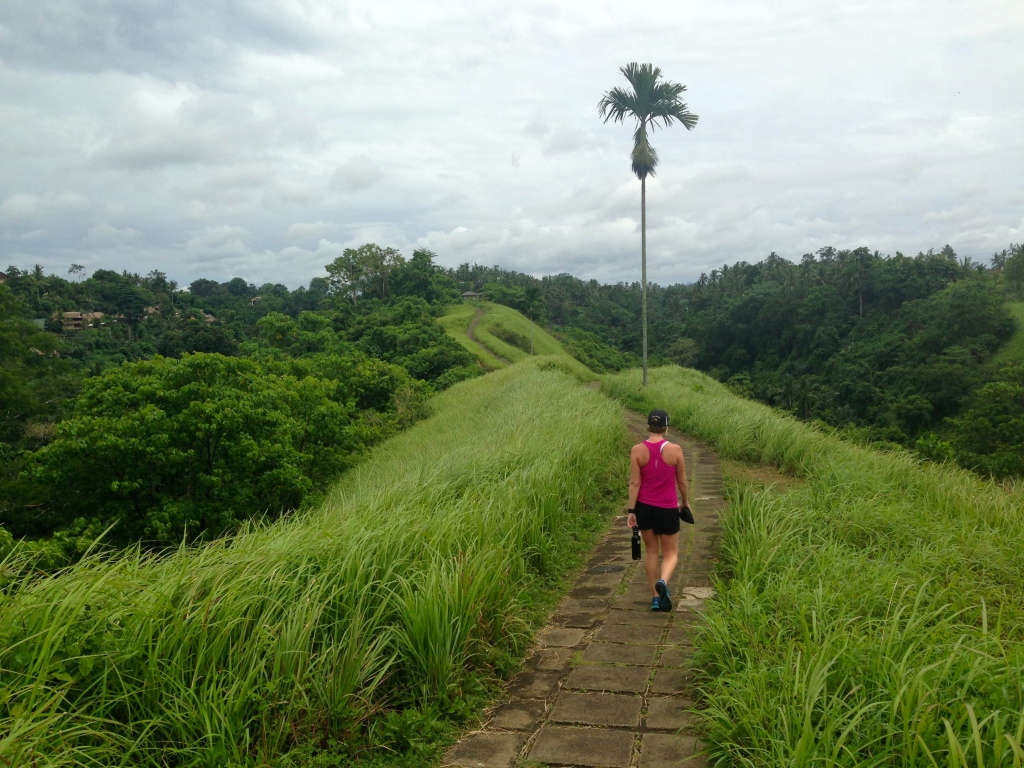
(643, 266)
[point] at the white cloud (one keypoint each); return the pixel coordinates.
(29, 207)
(357, 173)
(26, 237)
(304, 232)
(226, 139)
(106, 234)
(567, 140)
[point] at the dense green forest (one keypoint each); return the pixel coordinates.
(888, 349)
(148, 412)
(165, 415)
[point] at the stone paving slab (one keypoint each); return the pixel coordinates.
(599, 579)
(618, 653)
(518, 715)
(661, 750)
(634, 617)
(579, 620)
(598, 709)
(587, 605)
(590, 591)
(535, 685)
(592, 747)
(605, 567)
(557, 637)
(674, 656)
(551, 659)
(492, 749)
(606, 677)
(626, 633)
(668, 713)
(680, 633)
(671, 680)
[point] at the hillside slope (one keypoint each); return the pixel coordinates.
(1012, 352)
(501, 335)
(354, 624)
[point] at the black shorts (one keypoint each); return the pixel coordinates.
(663, 520)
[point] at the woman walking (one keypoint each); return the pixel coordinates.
(656, 470)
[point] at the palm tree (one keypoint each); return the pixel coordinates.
(650, 100)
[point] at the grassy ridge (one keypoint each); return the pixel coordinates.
(875, 612)
(456, 321)
(1012, 352)
(409, 584)
(496, 317)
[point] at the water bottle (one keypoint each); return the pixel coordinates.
(636, 543)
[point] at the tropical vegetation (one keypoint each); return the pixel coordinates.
(145, 413)
(889, 348)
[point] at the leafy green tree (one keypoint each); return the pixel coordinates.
(650, 101)
(346, 274)
(166, 448)
(405, 333)
(379, 263)
(989, 435)
(419, 276)
(683, 351)
(1014, 267)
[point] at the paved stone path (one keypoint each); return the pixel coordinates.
(607, 684)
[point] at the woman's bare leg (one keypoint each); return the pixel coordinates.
(669, 557)
(651, 565)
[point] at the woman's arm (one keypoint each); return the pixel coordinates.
(681, 482)
(634, 484)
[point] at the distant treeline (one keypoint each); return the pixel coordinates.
(165, 413)
(895, 349)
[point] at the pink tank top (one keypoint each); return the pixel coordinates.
(657, 479)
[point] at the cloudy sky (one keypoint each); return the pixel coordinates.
(259, 138)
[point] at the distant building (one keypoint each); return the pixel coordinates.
(77, 321)
(3, 278)
(255, 300)
(471, 296)
(210, 319)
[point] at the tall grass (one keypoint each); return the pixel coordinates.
(498, 315)
(875, 612)
(456, 321)
(1012, 352)
(410, 580)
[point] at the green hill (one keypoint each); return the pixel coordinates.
(1012, 352)
(501, 335)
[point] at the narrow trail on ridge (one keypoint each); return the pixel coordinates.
(469, 333)
(607, 684)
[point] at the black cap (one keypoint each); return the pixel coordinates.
(657, 419)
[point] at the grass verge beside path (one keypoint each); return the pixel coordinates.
(873, 614)
(364, 626)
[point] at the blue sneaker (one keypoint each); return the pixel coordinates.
(665, 603)
(655, 603)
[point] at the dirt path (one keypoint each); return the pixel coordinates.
(607, 684)
(477, 317)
